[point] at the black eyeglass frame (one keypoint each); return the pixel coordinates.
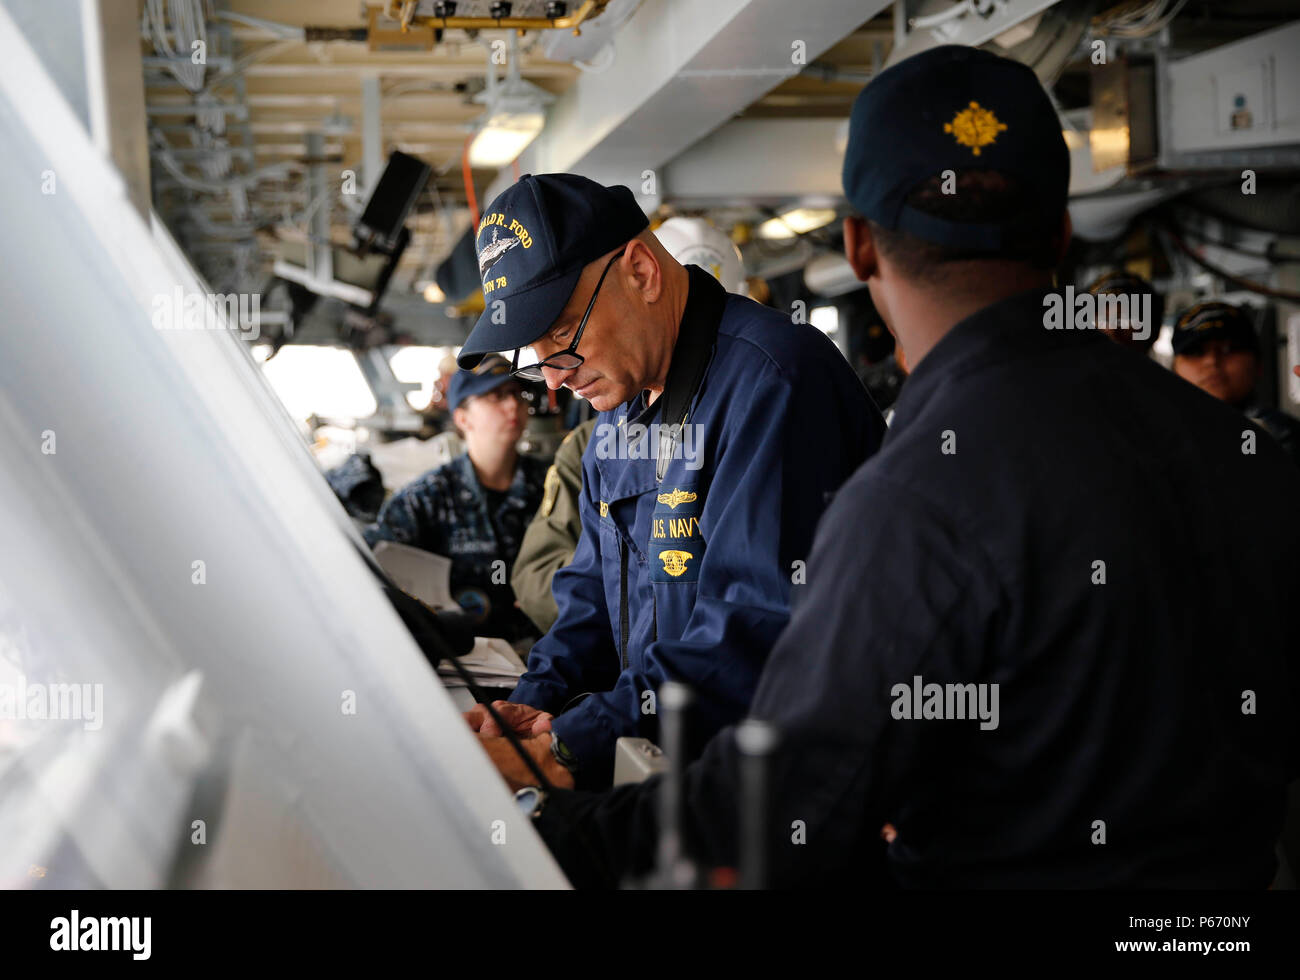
(533, 372)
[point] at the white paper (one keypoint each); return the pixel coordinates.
(492, 663)
(417, 572)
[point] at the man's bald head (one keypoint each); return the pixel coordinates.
(627, 343)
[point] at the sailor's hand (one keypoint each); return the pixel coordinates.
(515, 772)
(524, 719)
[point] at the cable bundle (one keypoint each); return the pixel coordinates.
(1138, 20)
(187, 26)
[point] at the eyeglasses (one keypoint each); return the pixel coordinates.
(568, 359)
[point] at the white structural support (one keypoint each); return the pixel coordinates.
(759, 161)
(372, 138)
(682, 68)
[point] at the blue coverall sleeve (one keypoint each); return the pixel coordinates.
(777, 466)
(577, 654)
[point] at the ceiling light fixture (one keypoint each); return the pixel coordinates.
(796, 221)
(516, 113)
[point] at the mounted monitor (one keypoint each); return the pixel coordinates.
(390, 203)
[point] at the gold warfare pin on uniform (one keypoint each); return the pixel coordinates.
(675, 497)
(550, 490)
(675, 561)
(975, 127)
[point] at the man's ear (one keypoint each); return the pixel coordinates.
(860, 247)
(460, 418)
(643, 265)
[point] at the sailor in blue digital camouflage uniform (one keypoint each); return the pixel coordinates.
(475, 509)
(1005, 670)
(725, 429)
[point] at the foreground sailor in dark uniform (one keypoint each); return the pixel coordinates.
(1044, 685)
(724, 430)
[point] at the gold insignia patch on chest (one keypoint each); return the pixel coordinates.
(675, 561)
(676, 497)
(975, 127)
(604, 509)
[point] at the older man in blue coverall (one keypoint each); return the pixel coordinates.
(725, 429)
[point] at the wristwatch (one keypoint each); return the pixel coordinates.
(530, 800)
(562, 754)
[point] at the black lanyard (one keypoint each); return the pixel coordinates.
(705, 302)
(698, 334)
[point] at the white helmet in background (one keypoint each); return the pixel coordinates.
(693, 241)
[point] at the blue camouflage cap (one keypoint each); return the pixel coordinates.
(490, 373)
(955, 108)
(533, 243)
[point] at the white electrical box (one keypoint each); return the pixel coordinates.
(1244, 94)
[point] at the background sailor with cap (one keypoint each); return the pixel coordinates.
(1216, 349)
(474, 509)
(689, 547)
(1131, 332)
(1102, 719)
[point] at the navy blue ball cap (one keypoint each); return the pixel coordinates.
(533, 242)
(489, 373)
(1214, 320)
(954, 108)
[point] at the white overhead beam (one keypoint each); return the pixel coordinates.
(758, 161)
(682, 69)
